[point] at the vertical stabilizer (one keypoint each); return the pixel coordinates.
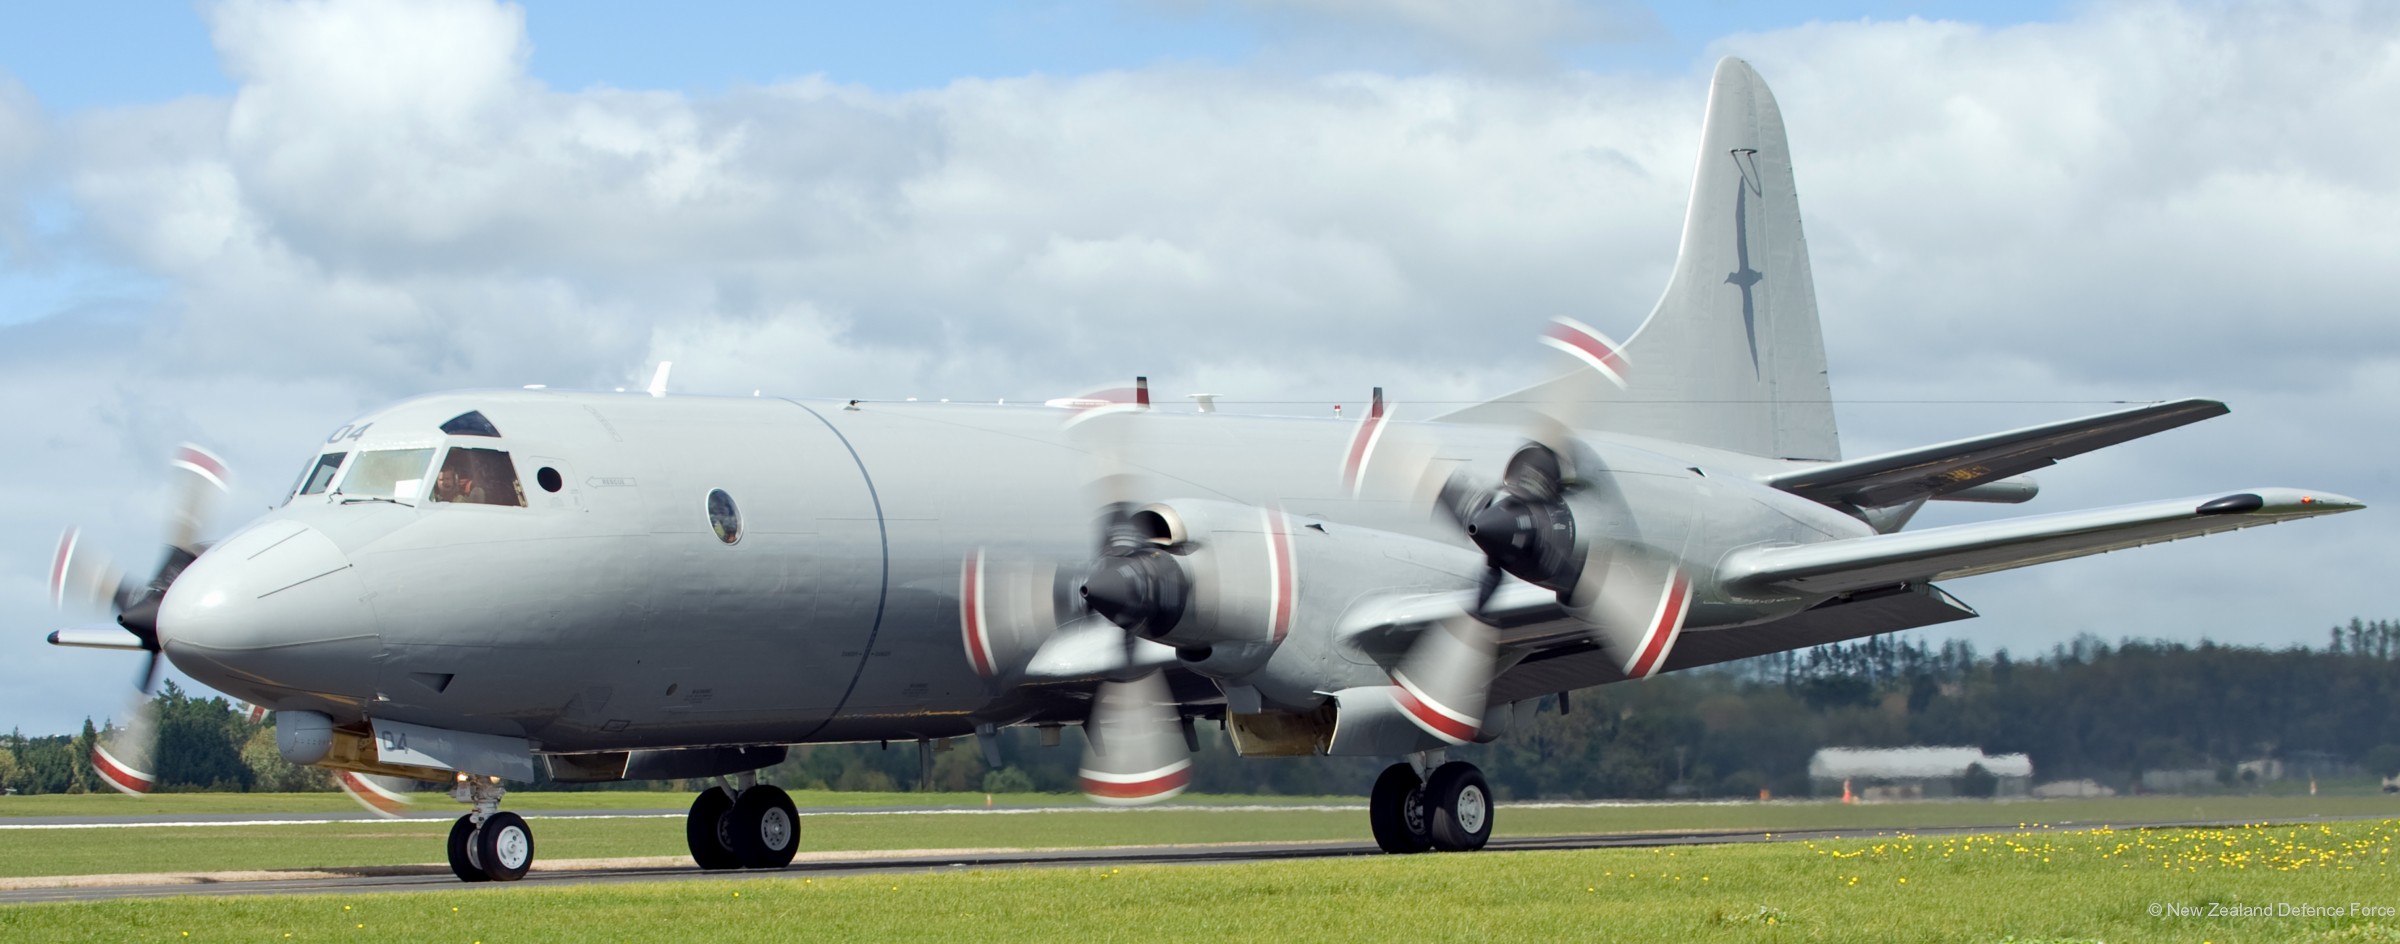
(1732, 357)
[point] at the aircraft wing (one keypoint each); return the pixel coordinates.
(1962, 550)
(1932, 471)
(1567, 664)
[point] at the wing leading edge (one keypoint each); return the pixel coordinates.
(1964, 550)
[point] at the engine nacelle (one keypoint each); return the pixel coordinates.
(1217, 586)
(1238, 570)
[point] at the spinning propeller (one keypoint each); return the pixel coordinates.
(1557, 518)
(82, 578)
(86, 579)
(1105, 626)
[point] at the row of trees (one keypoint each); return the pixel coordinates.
(203, 744)
(2083, 709)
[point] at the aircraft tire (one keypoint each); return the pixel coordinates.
(462, 851)
(764, 827)
(705, 831)
(505, 847)
(1458, 805)
(1396, 811)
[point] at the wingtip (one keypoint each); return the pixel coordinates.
(2280, 502)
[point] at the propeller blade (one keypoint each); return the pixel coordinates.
(201, 480)
(147, 682)
(1586, 344)
(82, 577)
(124, 754)
(1444, 681)
(1635, 600)
(1134, 752)
(1006, 608)
(383, 796)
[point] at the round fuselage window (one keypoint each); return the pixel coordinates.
(723, 517)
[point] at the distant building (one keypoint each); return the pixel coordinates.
(1910, 773)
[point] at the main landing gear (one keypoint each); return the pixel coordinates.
(487, 845)
(749, 826)
(1449, 810)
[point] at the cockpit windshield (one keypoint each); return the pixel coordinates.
(396, 474)
(478, 477)
(321, 475)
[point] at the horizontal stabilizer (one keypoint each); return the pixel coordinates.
(1963, 550)
(1933, 471)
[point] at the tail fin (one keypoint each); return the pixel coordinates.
(1732, 357)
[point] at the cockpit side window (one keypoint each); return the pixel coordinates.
(320, 476)
(478, 477)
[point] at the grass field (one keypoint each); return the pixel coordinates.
(30, 852)
(2017, 885)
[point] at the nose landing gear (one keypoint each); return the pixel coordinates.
(752, 826)
(487, 845)
(1449, 810)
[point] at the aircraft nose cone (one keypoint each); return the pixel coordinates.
(275, 607)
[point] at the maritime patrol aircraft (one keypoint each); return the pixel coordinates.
(473, 587)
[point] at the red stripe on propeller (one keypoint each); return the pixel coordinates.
(372, 795)
(1663, 629)
(1174, 779)
(58, 567)
(202, 461)
(1589, 346)
(118, 775)
(970, 614)
(1433, 719)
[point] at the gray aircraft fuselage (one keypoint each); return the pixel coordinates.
(609, 615)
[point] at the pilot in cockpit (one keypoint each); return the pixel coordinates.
(472, 476)
(456, 483)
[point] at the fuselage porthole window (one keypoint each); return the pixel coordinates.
(549, 479)
(472, 476)
(723, 517)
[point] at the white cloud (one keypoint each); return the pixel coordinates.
(2145, 201)
(23, 134)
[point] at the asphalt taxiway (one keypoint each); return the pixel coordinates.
(438, 878)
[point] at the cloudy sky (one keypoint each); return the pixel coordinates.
(243, 223)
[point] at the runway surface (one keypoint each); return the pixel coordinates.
(438, 878)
